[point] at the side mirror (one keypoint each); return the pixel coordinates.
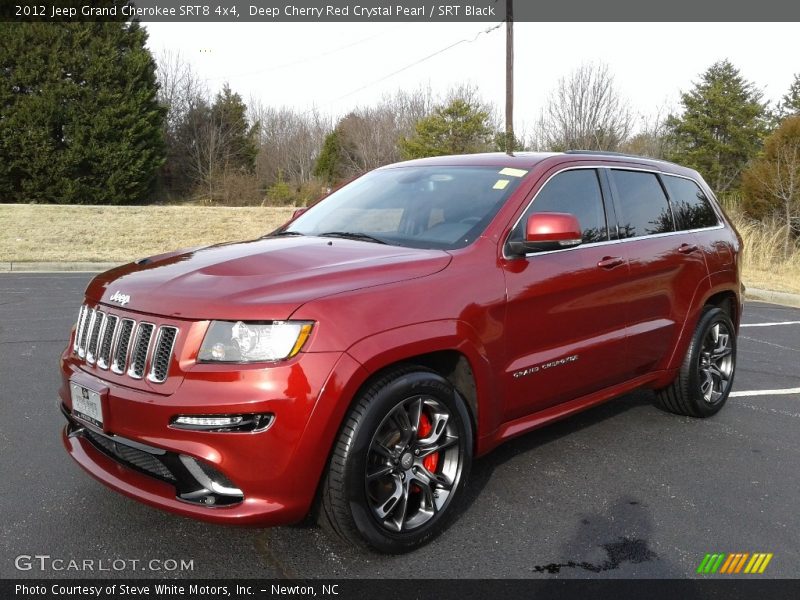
(548, 231)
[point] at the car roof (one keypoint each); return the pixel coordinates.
(527, 160)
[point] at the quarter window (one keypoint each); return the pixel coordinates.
(643, 207)
(576, 192)
(689, 204)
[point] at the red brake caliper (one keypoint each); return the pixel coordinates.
(431, 461)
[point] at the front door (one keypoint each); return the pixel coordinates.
(567, 310)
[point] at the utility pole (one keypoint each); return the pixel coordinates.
(510, 76)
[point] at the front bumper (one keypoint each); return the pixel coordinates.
(276, 470)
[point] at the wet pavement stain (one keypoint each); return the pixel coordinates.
(621, 551)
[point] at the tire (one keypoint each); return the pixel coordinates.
(400, 463)
(706, 375)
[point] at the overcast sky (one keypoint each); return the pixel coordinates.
(335, 67)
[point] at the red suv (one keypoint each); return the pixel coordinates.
(352, 363)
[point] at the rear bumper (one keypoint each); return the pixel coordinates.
(277, 470)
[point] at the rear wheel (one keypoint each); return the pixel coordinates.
(706, 376)
(400, 463)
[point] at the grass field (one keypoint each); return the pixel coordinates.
(121, 234)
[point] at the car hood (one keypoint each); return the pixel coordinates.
(261, 279)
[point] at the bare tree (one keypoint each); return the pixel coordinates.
(185, 98)
(586, 111)
(652, 137)
(774, 178)
(288, 142)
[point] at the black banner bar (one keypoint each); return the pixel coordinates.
(397, 10)
(403, 589)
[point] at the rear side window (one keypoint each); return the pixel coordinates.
(643, 207)
(577, 192)
(689, 204)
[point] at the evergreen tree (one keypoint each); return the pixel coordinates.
(229, 116)
(721, 127)
(460, 127)
(80, 123)
(328, 166)
(790, 103)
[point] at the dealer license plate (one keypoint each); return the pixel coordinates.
(86, 404)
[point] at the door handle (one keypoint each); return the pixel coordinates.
(687, 248)
(609, 262)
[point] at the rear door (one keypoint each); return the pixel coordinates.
(566, 309)
(665, 267)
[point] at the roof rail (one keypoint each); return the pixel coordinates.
(609, 153)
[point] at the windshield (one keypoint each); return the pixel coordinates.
(419, 207)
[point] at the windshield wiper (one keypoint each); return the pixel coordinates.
(353, 235)
(282, 233)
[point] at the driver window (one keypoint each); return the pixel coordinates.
(577, 192)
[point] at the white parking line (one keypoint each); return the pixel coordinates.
(770, 324)
(783, 392)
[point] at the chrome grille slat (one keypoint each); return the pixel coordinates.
(87, 322)
(124, 345)
(165, 342)
(78, 328)
(94, 336)
(107, 339)
(141, 349)
(121, 350)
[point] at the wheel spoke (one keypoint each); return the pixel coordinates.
(434, 479)
(720, 353)
(438, 427)
(381, 472)
(383, 450)
(415, 413)
(403, 423)
(402, 506)
(427, 495)
(442, 445)
(390, 504)
(715, 371)
(707, 385)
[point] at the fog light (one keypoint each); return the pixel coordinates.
(222, 423)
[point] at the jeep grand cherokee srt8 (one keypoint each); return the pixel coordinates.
(353, 362)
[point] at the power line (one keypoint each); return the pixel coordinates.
(417, 62)
(305, 59)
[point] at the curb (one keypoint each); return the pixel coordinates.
(784, 298)
(53, 267)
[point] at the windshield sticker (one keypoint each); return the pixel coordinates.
(500, 184)
(513, 172)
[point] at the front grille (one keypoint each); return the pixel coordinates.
(124, 345)
(133, 457)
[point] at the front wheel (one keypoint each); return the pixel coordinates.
(706, 376)
(400, 463)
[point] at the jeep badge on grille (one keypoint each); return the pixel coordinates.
(118, 296)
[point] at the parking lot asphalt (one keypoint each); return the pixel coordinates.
(622, 490)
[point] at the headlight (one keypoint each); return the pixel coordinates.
(227, 341)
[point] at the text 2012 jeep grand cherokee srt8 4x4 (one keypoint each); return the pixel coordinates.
(353, 362)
